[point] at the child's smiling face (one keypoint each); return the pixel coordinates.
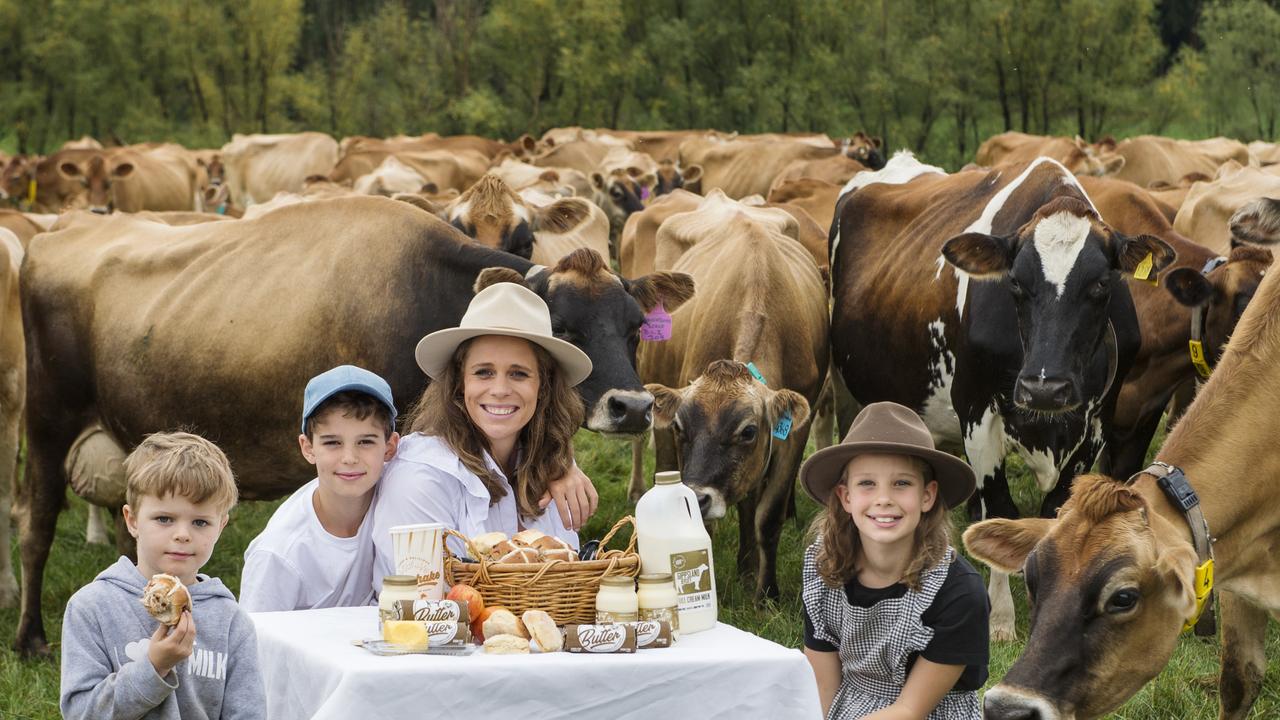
(886, 495)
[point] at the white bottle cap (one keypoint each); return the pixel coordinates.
(668, 477)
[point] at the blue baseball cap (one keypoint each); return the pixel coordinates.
(345, 377)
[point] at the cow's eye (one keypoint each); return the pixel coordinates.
(1122, 601)
(1016, 288)
(747, 434)
(1100, 289)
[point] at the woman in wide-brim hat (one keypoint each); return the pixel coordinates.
(490, 447)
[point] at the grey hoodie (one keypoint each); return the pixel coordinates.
(106, 672)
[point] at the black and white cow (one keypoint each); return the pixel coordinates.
(992, 303)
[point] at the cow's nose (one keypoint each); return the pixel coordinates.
(1040, 393)
(630, 413)
(704, 504)
(1004, 707)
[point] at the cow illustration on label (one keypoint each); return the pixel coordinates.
(693, 582)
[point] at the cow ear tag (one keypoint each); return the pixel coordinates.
(644, 193)
(657, 325)
(755, 373)
(783, 427)
(1143, 270)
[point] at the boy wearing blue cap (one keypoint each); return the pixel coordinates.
(316, 550)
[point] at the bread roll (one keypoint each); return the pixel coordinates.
(506, 645)
(521, 555)
(485, 543)
(528, 537)
(504, 622)
(565, 555)
(551, 542)
(543, 631)
(165, 597)
(505, 547)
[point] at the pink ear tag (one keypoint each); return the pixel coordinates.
(644, 193)
(657, 325)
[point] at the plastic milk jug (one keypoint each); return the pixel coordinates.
(672, 539)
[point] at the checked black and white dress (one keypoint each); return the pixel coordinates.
(880, 632)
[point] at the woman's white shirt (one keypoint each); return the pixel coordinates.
(427, 482)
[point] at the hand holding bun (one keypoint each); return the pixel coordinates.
(165, 597)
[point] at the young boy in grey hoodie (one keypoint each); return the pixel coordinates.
(117, 660)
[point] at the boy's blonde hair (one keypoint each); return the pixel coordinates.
(838, 556)
(182, 464)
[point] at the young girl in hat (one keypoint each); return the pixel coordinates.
(493, 431)
(895, 619)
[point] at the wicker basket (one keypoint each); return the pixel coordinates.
(566, 590)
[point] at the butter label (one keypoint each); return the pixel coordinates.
(614, 638)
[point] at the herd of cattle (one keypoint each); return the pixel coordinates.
(1051, 300)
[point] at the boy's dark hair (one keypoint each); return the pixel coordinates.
(354, 404)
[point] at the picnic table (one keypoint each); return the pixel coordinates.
(311, 669)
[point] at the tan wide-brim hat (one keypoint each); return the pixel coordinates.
(503, 309)
(887, 427)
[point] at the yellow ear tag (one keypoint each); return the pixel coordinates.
(31, 192)
(1143, 270)
(1198, 360)
(1203, 587)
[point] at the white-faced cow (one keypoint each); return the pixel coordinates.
(1211, 291)
(216, 327)
(1113, 578)
(991, 302)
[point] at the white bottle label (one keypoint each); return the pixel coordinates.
(692, 573)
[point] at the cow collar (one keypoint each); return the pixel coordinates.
(1173, 483)
(1199, 358)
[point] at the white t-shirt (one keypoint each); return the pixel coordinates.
(295, 564)
(426, 482)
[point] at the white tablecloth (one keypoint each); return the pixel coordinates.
(311, 670)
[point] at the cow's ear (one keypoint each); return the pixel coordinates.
(1177, 567)
(878, 142)
(982, 256)
(693, 173)
(1257, 222)
(561, 216)
(647, 180)
(1131, 251)
(422, 203)
(788, 402)
(123, 170)
(1188, 286)
(666, 403)
(671, 288)
(495, 275)
(1005, 544)
(597, 181)
(69, 169)
(1112, 164)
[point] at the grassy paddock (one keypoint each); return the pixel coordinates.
(29, 689)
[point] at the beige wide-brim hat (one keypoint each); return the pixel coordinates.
(503, 309)
(887, 427)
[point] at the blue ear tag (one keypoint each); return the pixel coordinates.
(783, 428)
(755, 373)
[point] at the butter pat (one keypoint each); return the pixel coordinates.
(409, 633)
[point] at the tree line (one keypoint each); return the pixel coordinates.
(937, 76)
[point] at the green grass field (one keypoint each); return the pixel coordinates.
(29, 688)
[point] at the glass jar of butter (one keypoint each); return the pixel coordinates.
(394, 589)
(616, 602)
(658, 601)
